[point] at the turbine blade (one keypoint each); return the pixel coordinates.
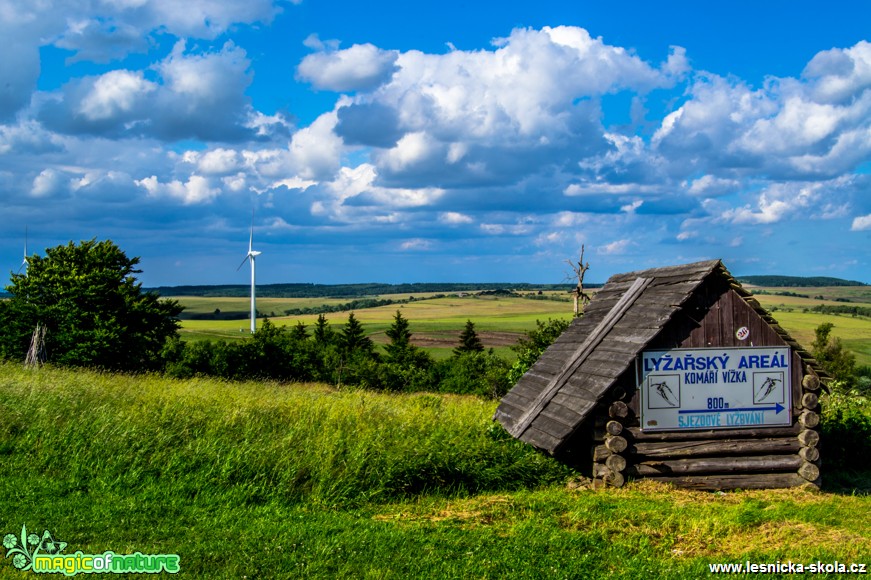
(243, 262)
(251, 237)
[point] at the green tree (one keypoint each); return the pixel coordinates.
(536, 342)
(299, 332)
(94, 309)
(354, 339)
(474, 373)
(400, 338)
(407, 367)
(831, 354)
(469, 341)
(323, 334)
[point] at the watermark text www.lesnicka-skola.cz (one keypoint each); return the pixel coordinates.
(44, 555)
(789, 567)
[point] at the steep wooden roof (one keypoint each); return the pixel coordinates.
(550, 402)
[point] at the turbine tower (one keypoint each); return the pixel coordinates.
(23, 265)
(252, 254)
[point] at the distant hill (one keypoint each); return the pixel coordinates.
(797, 281)
(350, 290)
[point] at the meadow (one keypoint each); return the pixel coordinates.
(435, 322)
(261, 480)
(270, 480)
(795, 315)
(500, 320)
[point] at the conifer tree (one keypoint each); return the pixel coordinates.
(323, 334)
(400, 338)
(469, 341)
(299, 332)
(354, 339)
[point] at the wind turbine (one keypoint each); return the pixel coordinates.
(24, 262)
(252, 254)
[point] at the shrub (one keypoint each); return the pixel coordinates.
(536, 342)
(837, 360)
(95, 312)
(474, 373)
(846, 431)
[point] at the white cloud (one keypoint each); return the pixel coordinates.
(861, 223)
(316, 150)
(47, 183)
(416, 244)
(686, 235)
(466, 114)
(218, 161)
(201, 77)
(359, 68)
(506, 229)
(104, 31)
(28, 137)
(605, 188)
(549, 239)
(616, 247)
(199, 95)
(235, 183)
(101, 40)
(837, 75)
(21, 27)
(631, 207)
(431, 144)
(410, 150)
(195, 190)
(197, 18)
(782, 200)
(115, 93)
(455, 218)
(815, 126)
(710, 186)
(294, 183)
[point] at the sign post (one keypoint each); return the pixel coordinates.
(715, 388)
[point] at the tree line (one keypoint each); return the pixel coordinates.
(351, 290)
(95, 313)
(343, 356)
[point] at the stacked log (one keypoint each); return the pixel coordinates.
(608, 461)
(758, 457)
(809, 437)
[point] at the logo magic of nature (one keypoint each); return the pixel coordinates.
(42, 554)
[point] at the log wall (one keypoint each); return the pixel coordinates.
(760, 457)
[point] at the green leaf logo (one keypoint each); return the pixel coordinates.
(24, 549)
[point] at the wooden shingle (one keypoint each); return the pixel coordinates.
(554, 398)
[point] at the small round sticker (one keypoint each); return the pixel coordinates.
(742, 333)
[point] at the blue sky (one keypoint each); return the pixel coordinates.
(438, 141)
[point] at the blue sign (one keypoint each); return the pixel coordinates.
(715, 388)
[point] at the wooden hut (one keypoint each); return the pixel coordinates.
(675, 374)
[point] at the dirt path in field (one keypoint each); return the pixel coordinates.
(452, 339)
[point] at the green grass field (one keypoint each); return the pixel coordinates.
(254, 480)
(436, 323)
(854, 331)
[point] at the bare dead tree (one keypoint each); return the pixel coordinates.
(578, 294)
(36, 352)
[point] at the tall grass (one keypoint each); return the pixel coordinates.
(253, 443)
(303, 481)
